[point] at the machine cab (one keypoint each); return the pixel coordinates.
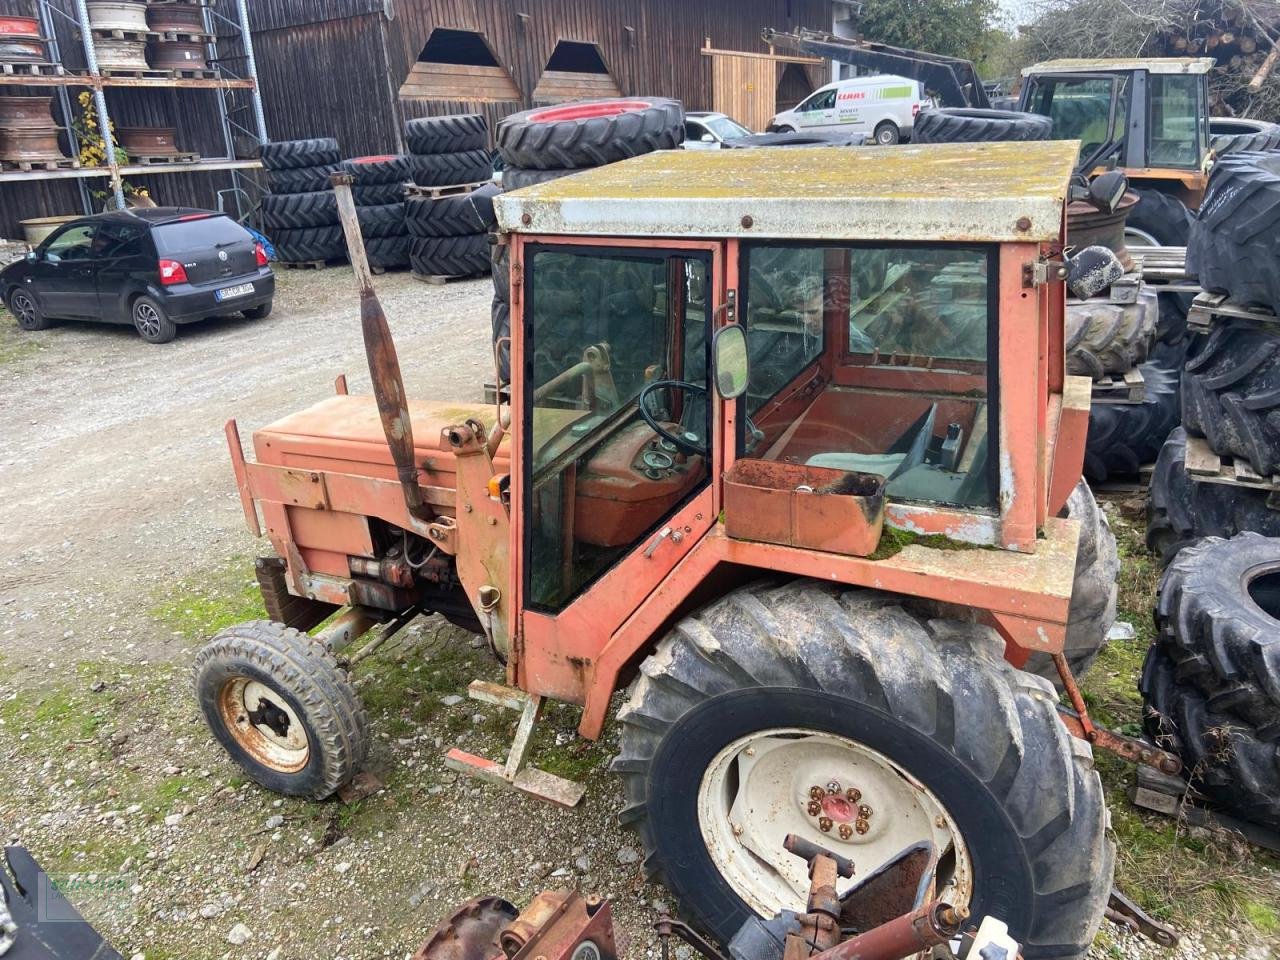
(1137, 114)
(898, 324)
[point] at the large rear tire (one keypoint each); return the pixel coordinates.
(589, 133)
(1158, 219)
(917, 720)
(971, 125)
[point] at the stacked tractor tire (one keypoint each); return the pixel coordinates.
(300, 213)
(1211, 682)
(448, 225)
(378, 191)
(544, 144)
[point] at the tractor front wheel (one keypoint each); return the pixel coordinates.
(842, 716)
(278, 702)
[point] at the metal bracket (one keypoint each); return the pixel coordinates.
(1036, 273)
(514, 772)
(1125, 913)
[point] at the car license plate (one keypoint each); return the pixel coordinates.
(228, 293)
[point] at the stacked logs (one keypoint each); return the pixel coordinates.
(1243, 36)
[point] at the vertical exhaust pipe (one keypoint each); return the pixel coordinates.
(380, 349)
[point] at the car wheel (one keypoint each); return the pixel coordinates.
(887, 134)
(152, 322)
(25, 310)
(258, 313)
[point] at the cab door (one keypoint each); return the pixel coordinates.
(819, 111)
(66, 272)
(613, 464)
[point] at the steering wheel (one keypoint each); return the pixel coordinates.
(687, 442)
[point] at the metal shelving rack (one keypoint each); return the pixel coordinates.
(98, 84)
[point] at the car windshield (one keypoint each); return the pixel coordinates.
(199, 233)
(724, 128)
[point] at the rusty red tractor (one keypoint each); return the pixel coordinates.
(789, 447)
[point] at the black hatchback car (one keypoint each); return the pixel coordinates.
(154, 267)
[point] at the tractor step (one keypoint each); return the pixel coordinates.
(514, 772)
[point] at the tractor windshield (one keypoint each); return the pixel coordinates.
(604, 328)
(1082, 108)
(876, 360)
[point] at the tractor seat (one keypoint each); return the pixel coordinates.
(904, 453)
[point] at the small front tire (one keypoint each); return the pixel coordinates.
(278, 702)
(152, 321)
(26, 310)
(258, 313)
(887, 134)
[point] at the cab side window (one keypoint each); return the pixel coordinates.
(120, 240)
(73, 243)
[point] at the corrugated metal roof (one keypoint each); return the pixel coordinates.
(952, 192)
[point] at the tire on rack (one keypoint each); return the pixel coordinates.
(377, 194)
(457, 216)
(1221, 758)
(302, 179)
(589, 133)
(296, 154)
(1157, 219)
(452, 169)
(278, 702)
(380, 169)
(1218, 614)
(1231, 395)
(514, 178)
(451, 134)
(294, 211)
(1181, 511)
(310, 243)
(1233, 135)
(1125, 436)
(800, 675)
(383, 221)
(1105, 338)
(1093, 593)
(388, 253)
(974, 125)
(450, 256)
(1235, 240)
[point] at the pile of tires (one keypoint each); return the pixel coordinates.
(300, 213)
(544, 144)
(1235, 135)
(449, 232)
(1234, 243)
(1211, 681)
(378, 190)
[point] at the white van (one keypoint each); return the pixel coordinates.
(883, 108)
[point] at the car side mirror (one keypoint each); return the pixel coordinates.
(730, 364)
(31, 256)
(707, 138)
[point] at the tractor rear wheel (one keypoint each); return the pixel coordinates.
(278, 702)
(844, 717)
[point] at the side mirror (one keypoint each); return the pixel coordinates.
(31, 256)
(707, 138)
(730, 365)
(1107, 190)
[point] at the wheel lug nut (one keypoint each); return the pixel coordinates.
(737, 829)
(853, 794)
(939, 822)
(814, 808)
(833, 786)
(817, 793)
(864, 812)
(824, 824)
(845, 831)
(862, 826)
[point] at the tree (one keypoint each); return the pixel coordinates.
(954, 28)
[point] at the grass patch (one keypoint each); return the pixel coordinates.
(54, 716)
(198, 607)
(15, 344)
(1187, 876)
(894, 540)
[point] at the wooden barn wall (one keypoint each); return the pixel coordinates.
(329, 73)
(192, 112)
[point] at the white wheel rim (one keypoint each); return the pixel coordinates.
(758, 789)
(1139, 238)
(264, 724)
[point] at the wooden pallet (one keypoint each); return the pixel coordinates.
(1130, 388)
(436, 193)
(31, 68)
(166, 3)
(112, 73)
(439, 280)
(203, 73)
(1172, 796)
(1208, 467)
(1209, 308)
(184, 36)
(114, 34)
(306, 264)
(160, 159)
(26, 166)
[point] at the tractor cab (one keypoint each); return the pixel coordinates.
(1149, 117)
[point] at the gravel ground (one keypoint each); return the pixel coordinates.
(122, 546)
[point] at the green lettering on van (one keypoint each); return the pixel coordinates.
(894, 93)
